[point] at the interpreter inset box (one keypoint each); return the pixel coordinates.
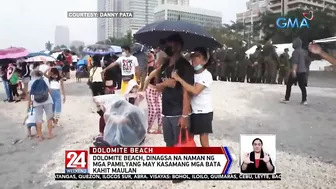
(257, 153)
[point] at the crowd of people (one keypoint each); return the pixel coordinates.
(41, 85)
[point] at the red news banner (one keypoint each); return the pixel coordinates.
(153, 163)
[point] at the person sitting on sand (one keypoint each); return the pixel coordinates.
(132, 94)
(30, 121)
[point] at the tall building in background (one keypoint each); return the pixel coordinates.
(180, 10)
(174, 2)
(101, 22)
(62, 36)
(284, 6)
(143, 11)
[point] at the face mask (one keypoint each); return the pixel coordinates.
(169, 51)
(123, 54)
(198, 67)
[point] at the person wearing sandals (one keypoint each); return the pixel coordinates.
(201, 103)
(56, 91)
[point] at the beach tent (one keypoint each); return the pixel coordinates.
(279, 48)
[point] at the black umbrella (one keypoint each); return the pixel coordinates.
(193, 35)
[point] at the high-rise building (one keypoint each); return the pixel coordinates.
(284, 6)
(62, 36)
(203, 17)
(143, 11)
(174, 2)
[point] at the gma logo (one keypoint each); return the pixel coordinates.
(292, 23)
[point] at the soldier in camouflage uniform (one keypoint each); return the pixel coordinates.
(221, 66)
(257, 57)
(284, 67)
(242, 67)
(230, 62)
(272, 63)
(250, 69)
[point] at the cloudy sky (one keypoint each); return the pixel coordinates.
(31, 23)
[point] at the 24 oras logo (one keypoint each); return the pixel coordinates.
(284, 22)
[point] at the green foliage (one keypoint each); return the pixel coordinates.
(49, 45)
(126, 40)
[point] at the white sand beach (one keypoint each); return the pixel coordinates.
(305, 138)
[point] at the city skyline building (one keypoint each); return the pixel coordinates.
(203, 17)
(62, 36)
(284, 6)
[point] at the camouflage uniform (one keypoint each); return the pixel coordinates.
(250, 69)
(271, 62)
(221, 67)
(284, 68)
(257, 65)
(242, 68)
(230, 61)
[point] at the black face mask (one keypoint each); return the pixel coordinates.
(169, 50)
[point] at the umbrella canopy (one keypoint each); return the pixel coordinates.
(13, 52)
(37, 54)
(117, 49)
(55, 54)
(99, 49)
(41, 59)
(193, 35)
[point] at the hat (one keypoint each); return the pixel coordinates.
(131, 84)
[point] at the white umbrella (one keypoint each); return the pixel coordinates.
(55, 55)
(41, 59)
(325, 40)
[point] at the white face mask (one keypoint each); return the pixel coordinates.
(123, 54)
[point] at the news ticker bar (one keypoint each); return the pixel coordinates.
(233, 176)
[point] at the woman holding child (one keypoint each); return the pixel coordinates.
(201, 103)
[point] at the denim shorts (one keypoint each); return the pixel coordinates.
(30, 125)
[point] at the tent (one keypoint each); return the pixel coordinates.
(280, 48)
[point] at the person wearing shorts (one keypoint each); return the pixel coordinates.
(201, 102)
(46, 107)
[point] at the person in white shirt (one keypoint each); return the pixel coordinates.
(30, 120)
(129, 67)
(95, 82)
(201, 101)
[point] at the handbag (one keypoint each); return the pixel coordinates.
(89, 82)
(188, 142)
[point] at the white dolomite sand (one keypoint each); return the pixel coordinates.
(305, 138)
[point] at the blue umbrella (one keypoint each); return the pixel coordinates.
(38, 54)
(98, 49)
(117, 49)
(193, 35)
(82, 62)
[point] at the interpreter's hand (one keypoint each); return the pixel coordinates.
(64, 99)
(175, 76)
(170, 83)
(183, 122)
(315, 48)
(247, 159)
(266, 158)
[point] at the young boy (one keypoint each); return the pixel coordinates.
(29, 120)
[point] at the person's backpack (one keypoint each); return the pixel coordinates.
(40, 91)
